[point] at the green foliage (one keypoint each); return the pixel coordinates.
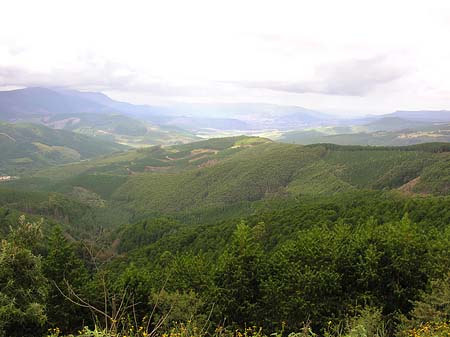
(435, 179)
(178, 306)
(247, 176)
(322, 232)
(145, 233)
(221, 178)
(238, 277)
(432, 310)
(315, 260)
(368, 322)
(23, 287)
(313, 274)
(63, 269)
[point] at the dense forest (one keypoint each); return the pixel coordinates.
(235, 236)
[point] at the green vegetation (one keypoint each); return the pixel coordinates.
(218, 178)
(119, 128)
(237, 236)
(28, 147)
(318, 262)
(388, 131)
(90, 113)
(24, 288)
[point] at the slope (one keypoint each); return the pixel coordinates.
(224, 177)
(27, 147)
(406, 133)
(93, 114)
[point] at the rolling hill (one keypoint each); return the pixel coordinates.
(30, 103)
(388, 131)
(28, 147)
(234, 175)
(328, 215)
(393, 124)
(433, 116)
(59, 108)
(88, 113)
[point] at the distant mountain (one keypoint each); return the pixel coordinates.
(220, 116)
(153, 114)
(63, 108)
(95, 113)
(432, 116)
(396, 129)
(199, 123)
(29, 103)
(88, 113)
(361, 136)
(256, 116)
(26, 147)
(394, 124)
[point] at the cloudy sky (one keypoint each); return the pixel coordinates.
(346, 57)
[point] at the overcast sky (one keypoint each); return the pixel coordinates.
(346, 57)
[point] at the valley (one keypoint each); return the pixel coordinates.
(280, 217)
(224, 168)
(97, 115)
(290, 216)
(238, 173)
(244, 222)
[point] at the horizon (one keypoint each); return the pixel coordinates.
(177, 104)
(352, 59)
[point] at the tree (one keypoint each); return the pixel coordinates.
(237, 278)
(62, 267)
(23, 287)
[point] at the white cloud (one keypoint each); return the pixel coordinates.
(319, 54)
(348, 78)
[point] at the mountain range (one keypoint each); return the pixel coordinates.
(306, 227)
(96, 114)
(88, 113)
(43, 104)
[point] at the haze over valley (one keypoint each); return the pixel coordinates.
(94, 114)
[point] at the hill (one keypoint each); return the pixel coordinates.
(88, 113)
(28, 147)
(61, 107)
(434, 116)
(38, 103)
(250, 116)
(273, 170)
(294, 232)
(393, 124)
(401, 133)
(226, 176)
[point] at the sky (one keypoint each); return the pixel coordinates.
(344, 57)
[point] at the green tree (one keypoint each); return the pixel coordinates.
(64, 269)
(237, 278)
(23, 287)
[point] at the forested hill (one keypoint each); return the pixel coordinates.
(227, 234)
(28, 147)
(212, 178)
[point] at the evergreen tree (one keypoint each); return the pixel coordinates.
(23, 287)
(237, 278)
(63, 269)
